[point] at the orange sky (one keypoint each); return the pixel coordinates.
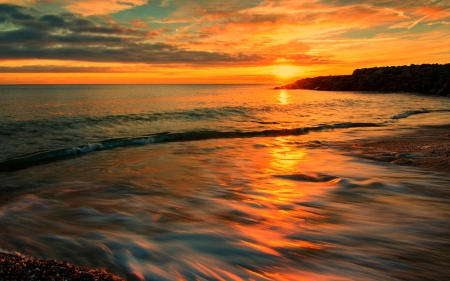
(210, 41)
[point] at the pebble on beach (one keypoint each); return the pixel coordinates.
(17, 267)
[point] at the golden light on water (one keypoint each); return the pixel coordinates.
(284, 97)
(284, 158)
(272, 204)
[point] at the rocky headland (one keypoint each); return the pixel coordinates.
(429, 79)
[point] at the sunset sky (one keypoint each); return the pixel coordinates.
(212, 41)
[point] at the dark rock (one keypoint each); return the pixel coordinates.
(430, 79)
(17, 267)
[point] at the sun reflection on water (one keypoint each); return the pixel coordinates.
(284, 98)
(232, 219)
(275, 213)
(285, 159)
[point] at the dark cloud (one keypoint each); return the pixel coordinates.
(386, 3)
(30, 19)
(72, 37)
(21, 36)
(53, 20)
(125, 3)
(139, 53)
(14, 11)
(216, 6)
(54, 69)
(383, 3)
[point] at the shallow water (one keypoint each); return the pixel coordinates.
(257, 198)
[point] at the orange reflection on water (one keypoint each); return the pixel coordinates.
(284, 97)
(273, 215)
(284, 159)
(261, 248)
(260, 213)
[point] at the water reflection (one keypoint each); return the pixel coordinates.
(284, 98)
(247, 209)
(285, 157)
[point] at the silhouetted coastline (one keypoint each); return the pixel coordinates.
(429, 79)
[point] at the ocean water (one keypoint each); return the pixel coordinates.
(220, 182)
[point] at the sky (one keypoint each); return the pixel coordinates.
(212, 41)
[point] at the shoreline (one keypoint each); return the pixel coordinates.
(14, 266)
(426, 148)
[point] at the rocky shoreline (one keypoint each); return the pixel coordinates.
(429, 79)
(16, 267)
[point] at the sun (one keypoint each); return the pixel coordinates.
(286, 71)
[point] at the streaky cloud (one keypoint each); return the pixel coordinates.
(69, 36)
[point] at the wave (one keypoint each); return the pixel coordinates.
(64, 122)
(406, 114)
(48, 156)
(314, 177)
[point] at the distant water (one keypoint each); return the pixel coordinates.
(215, 182)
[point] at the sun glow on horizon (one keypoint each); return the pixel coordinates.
(286, 71)
(174, 41)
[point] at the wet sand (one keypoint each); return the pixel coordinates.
(427, 148)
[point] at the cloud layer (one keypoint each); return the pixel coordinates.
(32, 35)
(320, 36)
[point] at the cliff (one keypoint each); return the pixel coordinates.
(429, 79)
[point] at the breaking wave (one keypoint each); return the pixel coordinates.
(44, 157)
(406, 114)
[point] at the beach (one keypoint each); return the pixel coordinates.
(16, 267)
(172, 140)
(427, 148)
(225, 182)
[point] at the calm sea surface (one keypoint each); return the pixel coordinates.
(220, 182)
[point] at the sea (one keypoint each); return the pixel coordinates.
(221, 182)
